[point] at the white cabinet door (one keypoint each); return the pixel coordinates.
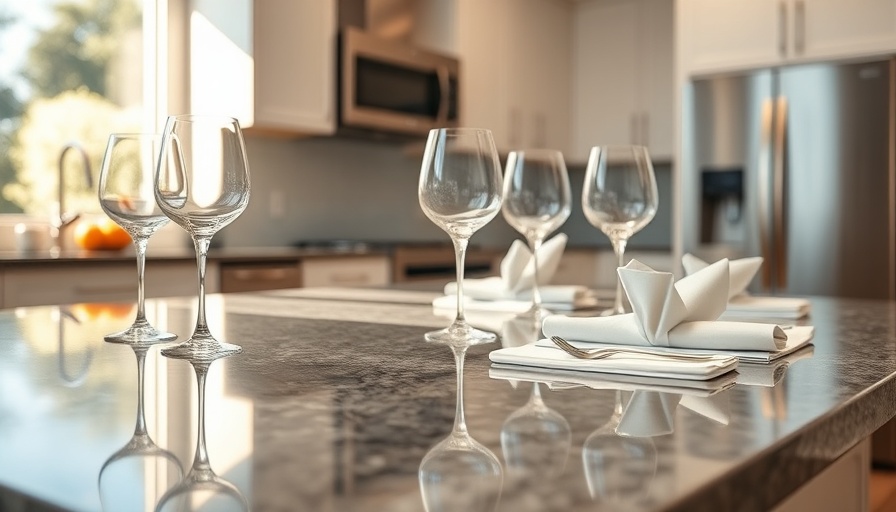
(605, 87)
(269, 63)
(623, 76)
(730, 35)
(483, 46)
(295, 65)
(834, 28)
(720, 35)
(658, 77)
(515, 70)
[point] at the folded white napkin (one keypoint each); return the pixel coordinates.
(679, 314)
(448, 303)
(740, 302)
(542, 355)
(769, 374)
(518, 275)
(558, 379)
(511, 292)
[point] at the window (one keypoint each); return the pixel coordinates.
(71, 72)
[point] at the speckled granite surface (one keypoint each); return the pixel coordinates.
(334, 404)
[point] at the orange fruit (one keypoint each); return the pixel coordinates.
(89, 236)
(114, 236)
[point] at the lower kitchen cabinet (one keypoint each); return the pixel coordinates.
(361, 270)
(596, 268)
(256, 276)
(99, 282)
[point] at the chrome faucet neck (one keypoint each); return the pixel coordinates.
(61, 218)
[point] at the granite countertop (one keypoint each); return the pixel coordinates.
(333, 404)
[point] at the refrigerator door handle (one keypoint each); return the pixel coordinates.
(766, 154)
(779, 208)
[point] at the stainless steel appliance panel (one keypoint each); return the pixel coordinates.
(813, 145)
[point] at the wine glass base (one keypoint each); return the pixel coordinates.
(201, 350)
(138, 334)
(460, 333)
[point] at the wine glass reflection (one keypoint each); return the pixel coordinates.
(459, 473)
(535, 439)
(201, 489)
(140, 462)
(619, 468)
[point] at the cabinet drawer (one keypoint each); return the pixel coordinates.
(346, 271)
(247, 277)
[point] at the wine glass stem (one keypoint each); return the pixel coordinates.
(460, 253)
(201, 243)
(200, 461)
(534, 246)
(460, 423)
(140, 429)
(140, 249)
(619, 248)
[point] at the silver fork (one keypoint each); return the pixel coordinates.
(602, 352)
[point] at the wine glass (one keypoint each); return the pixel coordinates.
(537, 201)
(459, 473)
(460, 191)
(138, 461)
(201, 488)
(619, 197)
(202, 184)
(126, 195)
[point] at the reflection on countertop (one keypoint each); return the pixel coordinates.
(334, 404)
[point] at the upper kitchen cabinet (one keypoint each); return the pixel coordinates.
(515, 74)
(270, 63)
(623, 76)
(742, 34)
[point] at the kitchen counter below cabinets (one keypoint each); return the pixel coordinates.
(83, 276)
(32, 283)
(308, 271)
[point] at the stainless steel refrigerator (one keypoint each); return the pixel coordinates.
(795, 164)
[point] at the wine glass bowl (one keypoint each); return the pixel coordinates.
(536, 201)
(619, 197)
(460, 191)
(126, 195)
(202, 184)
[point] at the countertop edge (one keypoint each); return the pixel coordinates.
(771, 476)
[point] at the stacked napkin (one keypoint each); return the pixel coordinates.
(683, 314)
(512, 290)
(667, 316)
(741, 303)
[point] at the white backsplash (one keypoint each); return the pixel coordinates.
(338, 188)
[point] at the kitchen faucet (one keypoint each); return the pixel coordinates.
(60, 218)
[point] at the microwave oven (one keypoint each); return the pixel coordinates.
(393, 87)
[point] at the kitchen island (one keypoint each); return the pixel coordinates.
(334, 403)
